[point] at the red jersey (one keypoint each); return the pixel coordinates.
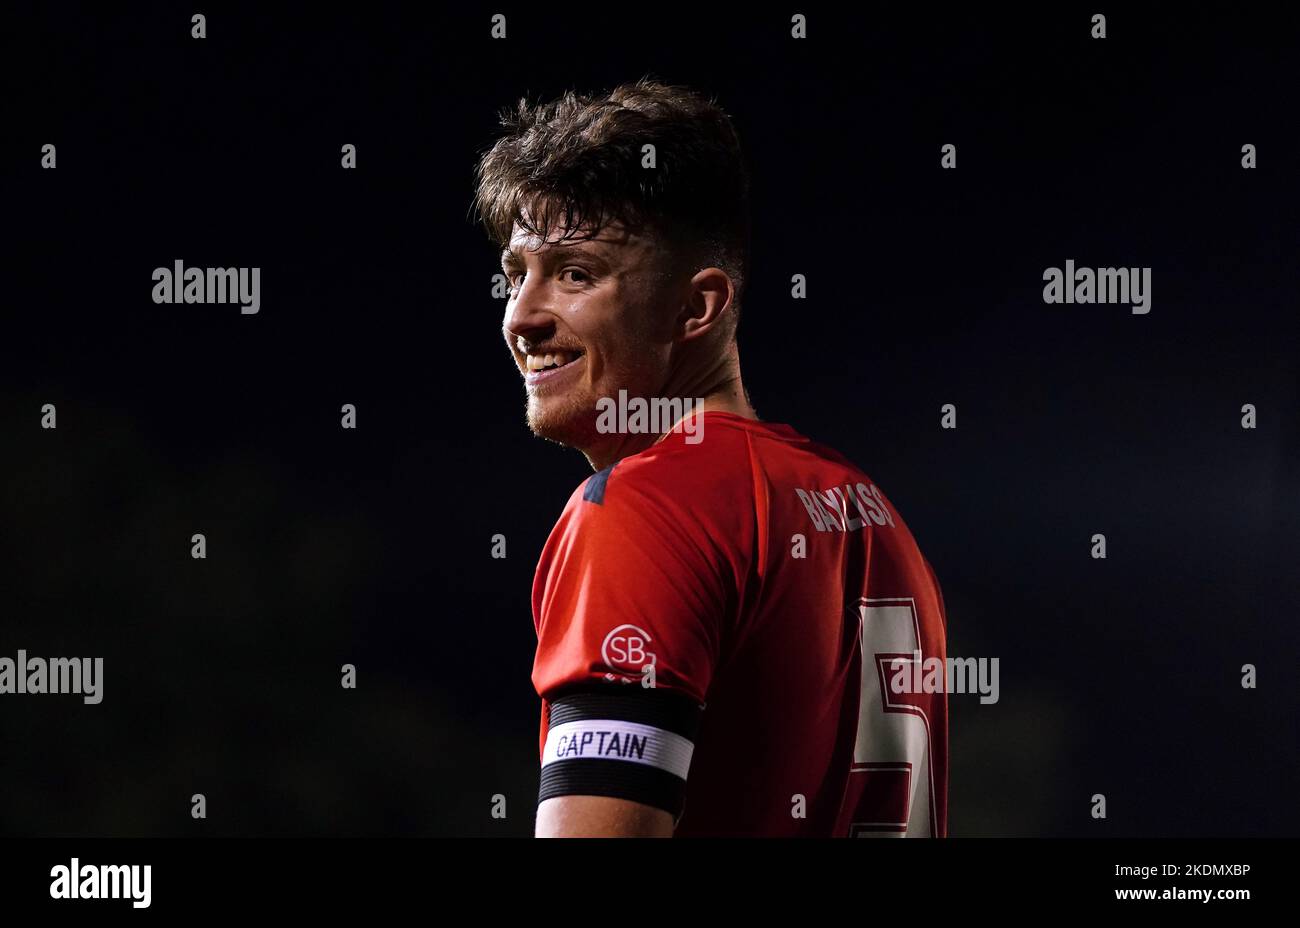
(719, 618)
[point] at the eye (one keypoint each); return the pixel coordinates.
(575, 275)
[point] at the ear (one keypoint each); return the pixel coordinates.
(708, 301)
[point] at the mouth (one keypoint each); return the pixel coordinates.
(547, 367)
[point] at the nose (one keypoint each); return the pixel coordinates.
(527, 314)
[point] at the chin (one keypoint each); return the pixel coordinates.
(565, 424)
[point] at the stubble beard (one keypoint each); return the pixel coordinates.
(567, 421)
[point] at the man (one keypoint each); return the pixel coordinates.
(722, 607)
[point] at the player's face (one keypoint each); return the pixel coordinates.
(586, 317)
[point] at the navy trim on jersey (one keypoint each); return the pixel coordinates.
(594, 489)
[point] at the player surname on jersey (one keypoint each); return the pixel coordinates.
(829, 509)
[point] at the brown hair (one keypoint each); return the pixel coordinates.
(575, 163)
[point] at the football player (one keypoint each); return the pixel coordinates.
(722, 606)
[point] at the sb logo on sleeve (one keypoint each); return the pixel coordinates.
(625, 651)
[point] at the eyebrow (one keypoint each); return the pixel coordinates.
(513, 257)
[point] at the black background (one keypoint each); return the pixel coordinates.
(372, 546)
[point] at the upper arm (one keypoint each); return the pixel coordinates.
(601, 817)
(630, 615)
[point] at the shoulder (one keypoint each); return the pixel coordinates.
(688, 479)
(681, 501)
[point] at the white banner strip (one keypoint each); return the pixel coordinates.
(611, 739)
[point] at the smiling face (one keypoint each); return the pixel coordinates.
(587, 317)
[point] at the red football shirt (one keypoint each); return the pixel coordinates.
(719, 620)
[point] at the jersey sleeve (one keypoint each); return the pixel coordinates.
(631, 601)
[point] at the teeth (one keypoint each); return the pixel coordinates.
(537, 362)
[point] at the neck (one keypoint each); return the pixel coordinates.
(719, 389)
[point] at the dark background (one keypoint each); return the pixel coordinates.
(372, 546)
